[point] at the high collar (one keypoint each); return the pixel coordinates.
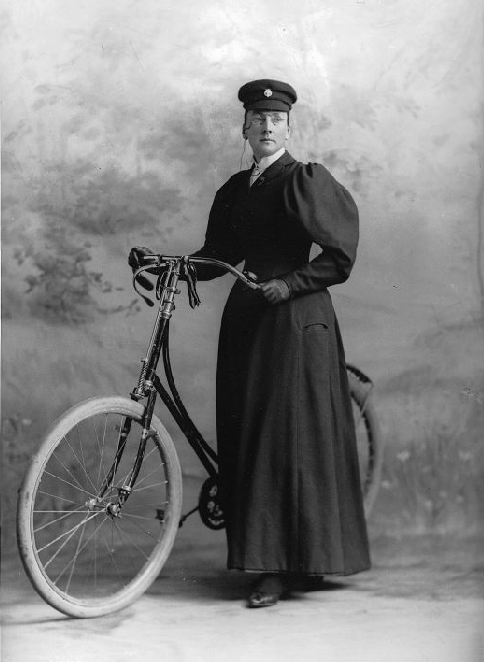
(282, 161)
(272, 171)
(277, 168)
(267, 161)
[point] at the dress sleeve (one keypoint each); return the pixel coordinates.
(329, 215)
(220, 241)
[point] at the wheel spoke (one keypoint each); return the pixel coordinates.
(83, 463)
(101, 448)
(80, 489)
(56, 496)
(114, 461)
(113, 558)
(145, 457)
(130, 552)
(69, 535)
(148, 487)
(75, 557)
(116, 525)
(56, 511)
(67, 468)
(78, 551)
(144, 505)
(95, 551)
(57, 519)
(149, 519)
(140, 482)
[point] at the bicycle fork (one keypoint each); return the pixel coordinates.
(167, 288)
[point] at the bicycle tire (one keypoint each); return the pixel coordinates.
(114, 558)
(369, 441)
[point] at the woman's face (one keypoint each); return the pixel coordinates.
(266, 131)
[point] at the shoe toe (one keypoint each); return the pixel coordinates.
(263, 599)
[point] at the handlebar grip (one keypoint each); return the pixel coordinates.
(145, 283)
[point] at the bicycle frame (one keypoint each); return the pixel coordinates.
(74, 519)
(169, 270)
(149, 384)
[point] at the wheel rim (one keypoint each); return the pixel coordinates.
(366, 450)
(88, 548)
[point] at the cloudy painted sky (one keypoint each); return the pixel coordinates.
(122, 118)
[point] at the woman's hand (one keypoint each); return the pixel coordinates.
(135, 261)
(275, 290)
(136, 257)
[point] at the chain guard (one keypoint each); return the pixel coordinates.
(209, 507)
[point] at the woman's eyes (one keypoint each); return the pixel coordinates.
(260, 120)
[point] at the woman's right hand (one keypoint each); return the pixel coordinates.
(137, 255)
(275, 290)
(136, 260)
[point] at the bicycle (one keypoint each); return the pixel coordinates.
(100, 504)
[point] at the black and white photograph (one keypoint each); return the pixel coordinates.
(242, 338)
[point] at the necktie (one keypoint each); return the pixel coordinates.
(255, 173)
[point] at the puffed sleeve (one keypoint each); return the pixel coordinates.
(220, 241)
(329, 215)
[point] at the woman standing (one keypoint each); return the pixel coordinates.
(288, 464)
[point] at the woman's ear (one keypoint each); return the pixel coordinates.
(244, 132)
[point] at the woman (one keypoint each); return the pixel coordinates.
(289, 477)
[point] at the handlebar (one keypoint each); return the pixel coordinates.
(161, 261)
(157, 264)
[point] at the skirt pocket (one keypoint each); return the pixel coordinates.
(315, 326)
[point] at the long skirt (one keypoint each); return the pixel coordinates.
(289, 473)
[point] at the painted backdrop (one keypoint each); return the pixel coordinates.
(120, 120)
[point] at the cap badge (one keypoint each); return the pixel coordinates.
(268, 93)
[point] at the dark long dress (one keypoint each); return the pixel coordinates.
(289, 476)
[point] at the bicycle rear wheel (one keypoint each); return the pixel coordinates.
(85, 557)
(368, 439)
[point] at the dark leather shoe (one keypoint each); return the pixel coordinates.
(261, 599)
(267, 591)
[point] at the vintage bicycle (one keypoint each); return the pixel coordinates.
(100, 504)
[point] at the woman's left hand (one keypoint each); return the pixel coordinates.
(275, 290)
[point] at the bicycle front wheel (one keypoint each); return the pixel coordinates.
(85, 555)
